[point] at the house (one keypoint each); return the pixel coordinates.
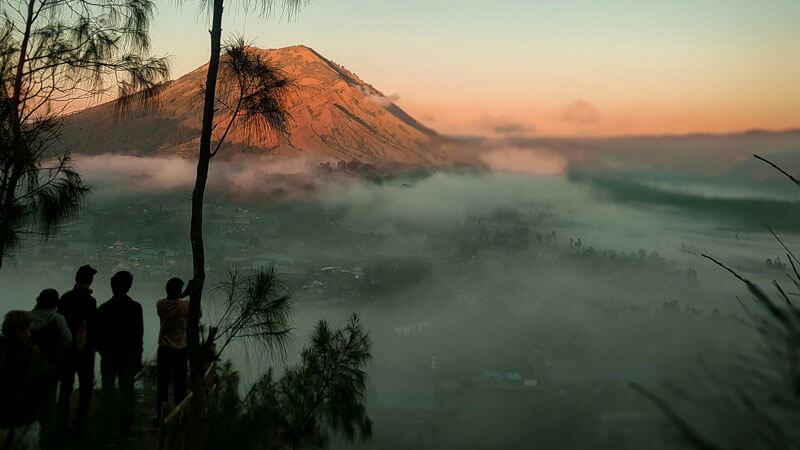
(513, 378)
(530, 382)
(490, 378)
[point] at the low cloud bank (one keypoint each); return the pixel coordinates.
(255, 176)
(528, 161)
(119, 172)
(137, 172)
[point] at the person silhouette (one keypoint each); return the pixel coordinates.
(78, 307)
(51, 336)
(120, 333)
(172, 365)
(21, 379)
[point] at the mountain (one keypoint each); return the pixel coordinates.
(335, 115)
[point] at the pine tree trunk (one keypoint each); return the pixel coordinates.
(198, 359)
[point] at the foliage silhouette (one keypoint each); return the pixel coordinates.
(55, 55)
(324, 393)
(755, 403)
(257, 310)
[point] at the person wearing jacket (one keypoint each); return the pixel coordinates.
(21, 378)
(119, 340)
(51, 336)
(56, 336)
(78, 307)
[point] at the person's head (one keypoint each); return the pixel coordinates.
(17, 326)
(174, 288)
(121, 282)
(47, 299)
(85, 275)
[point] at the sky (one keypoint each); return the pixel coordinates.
(540, 67)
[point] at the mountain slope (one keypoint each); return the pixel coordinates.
(335, 115)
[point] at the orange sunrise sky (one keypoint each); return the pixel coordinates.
(543, 67)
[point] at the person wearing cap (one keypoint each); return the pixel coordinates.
(119, 338)
(51, 336)
(78, 307)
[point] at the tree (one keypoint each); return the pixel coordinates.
(54, 55)
(257, 310)
(254, 94)
(324, 393)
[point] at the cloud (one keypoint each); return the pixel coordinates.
(120, 172)
(529, 161)
(149, 173)
(503, 125)
(378, 98)
(580, 113)
(384, 100)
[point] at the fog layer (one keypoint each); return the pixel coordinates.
(507, 310)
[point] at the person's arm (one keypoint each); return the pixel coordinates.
(139, 335)
(95, 333)
(188, 290)
(93, 326)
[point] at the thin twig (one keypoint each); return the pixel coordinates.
(794, 180)
(686, 430)
(783, 294)
(741, 303)
(789, 252)
(765, 301)
(794, 268)
(739, 277)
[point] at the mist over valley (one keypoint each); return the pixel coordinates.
(493, 298)
(528, 246)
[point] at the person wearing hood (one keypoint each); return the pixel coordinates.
(48, 323)
(172, 363)
(50, 334)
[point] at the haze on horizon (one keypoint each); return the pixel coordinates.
(543, 67)
(521, 290)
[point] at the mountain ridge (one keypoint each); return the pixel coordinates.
(335, 116)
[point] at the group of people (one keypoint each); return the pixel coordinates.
(43, 350)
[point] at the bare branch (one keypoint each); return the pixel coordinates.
(788, 175)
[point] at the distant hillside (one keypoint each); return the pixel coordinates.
(699, 152)
(335, 115)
